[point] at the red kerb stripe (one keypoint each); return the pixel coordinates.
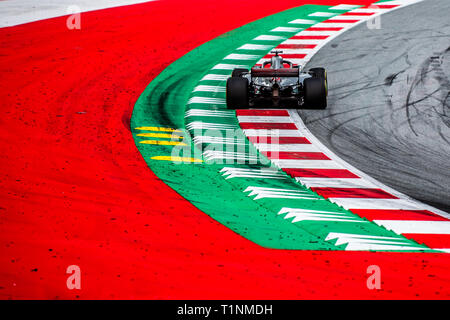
(358, 14)
(309, 37)
(340, 21)
(262, 125)
(264, 112)
(320, 173)
(288, 55)
(278, 140)
(324, 29)
(353, 193)
(379, 6)
(295, 155)
(381, 214)
(296, 46)
(438, 241)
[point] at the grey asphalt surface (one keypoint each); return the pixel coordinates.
(388, 108)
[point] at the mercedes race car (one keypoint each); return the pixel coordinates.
(277, 82)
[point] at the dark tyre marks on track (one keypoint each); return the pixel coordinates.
(388, 111)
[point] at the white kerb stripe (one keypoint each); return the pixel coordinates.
(286, 29)
(322, 14)
(269, 38)
(206, 100)
(349, 18)
(334, 25)
(295, 51)
(364, 203)
(302, 41)
(306, 164)
(255, 47)
(301, 147)
(344, 7)
(209, 88)
(316, 33)
(215, 77)
(224, 66)
(336, 182)
(272, 133)
(422, 227)
(237, 56)
(298, 61)
(265, 119)
(303, 21)
(399, 2)
(369, 10)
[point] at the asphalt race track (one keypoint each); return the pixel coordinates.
(388, 108)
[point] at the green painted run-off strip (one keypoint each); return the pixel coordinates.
(211, 186)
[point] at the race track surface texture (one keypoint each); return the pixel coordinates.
(76, 191)
(388, 109)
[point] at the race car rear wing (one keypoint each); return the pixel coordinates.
(285, 72)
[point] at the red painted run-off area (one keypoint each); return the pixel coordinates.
(75, 190)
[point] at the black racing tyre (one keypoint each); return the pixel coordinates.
(320, 73)
(315, 93)
(237, 93)
(238, 71)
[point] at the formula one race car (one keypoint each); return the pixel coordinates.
(280, 83)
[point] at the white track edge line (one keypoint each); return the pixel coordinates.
(305, 131)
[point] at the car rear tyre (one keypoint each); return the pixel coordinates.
(237, 93)
(315, 93)
(238, 71)
(320, 73)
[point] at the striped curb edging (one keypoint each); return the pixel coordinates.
(214, 166)
(222, 173)
(282, 136)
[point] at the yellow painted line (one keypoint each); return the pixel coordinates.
(164, 143)
(159, 135)
(157, 129)
(176, 159)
